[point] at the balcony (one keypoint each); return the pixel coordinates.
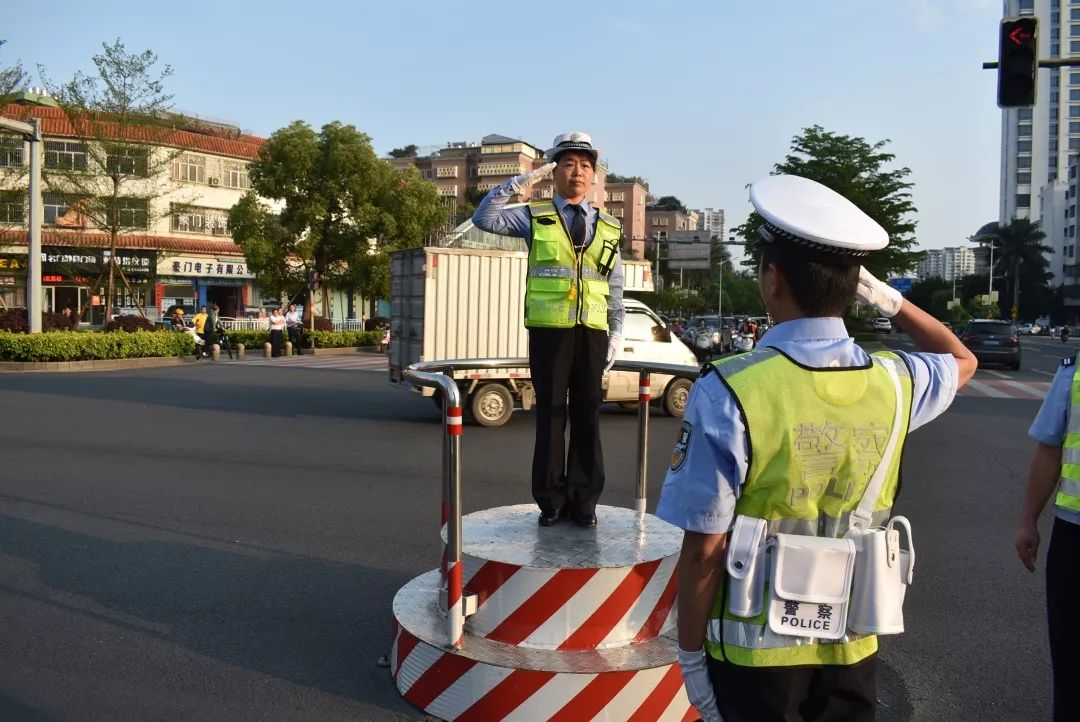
(448, 191)
(500, 169)
(446, 171)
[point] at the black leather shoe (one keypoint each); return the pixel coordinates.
(586, 521)
(549, 518)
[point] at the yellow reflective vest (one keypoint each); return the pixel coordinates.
(564, 287)
(816, 436)
(1068, 495)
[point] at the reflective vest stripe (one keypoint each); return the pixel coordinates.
(1068, 494)
(551, 272)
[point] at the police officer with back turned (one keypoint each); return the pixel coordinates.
(786, 440)
(574, 314)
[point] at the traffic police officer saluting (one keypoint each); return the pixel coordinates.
(1055, 463)
(793, 433)
(574, 313)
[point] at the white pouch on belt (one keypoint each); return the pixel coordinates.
(883, 571)
(747, 566)
(811, 584)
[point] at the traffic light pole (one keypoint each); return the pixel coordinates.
(1048, 63)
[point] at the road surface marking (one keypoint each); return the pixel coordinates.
(997, 373)
(1027, 388)
(985, 389)
(1047, 373)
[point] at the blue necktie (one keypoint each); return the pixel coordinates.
(577, 228)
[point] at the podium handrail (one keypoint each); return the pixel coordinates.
(439, 375)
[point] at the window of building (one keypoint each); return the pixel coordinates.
(1023, 146)
(1054, 97)
(65, 155)
(1023, 178)
(131, 213)
(1027, 5)
(1074, 111)
(196, 219)
(13, 206)
(128, 161)
(1055, 49)
(1023, 200)
(427, 174)
(1053, 145)
(1074, 30)
(1074, 46)
(1074, 143)
(617, 212)
(189, 168)
(235, 175)
(11, 151)
(1024, 130)
(1023, 114)
(55, 205)
(1023, 162)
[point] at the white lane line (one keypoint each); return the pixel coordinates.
(1047, 373)
(987, 390)
(997, 373)
(1021, 386)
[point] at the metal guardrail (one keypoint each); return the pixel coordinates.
(439, 375)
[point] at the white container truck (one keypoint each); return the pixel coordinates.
(453, 303)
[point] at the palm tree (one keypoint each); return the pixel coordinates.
(1019, 257)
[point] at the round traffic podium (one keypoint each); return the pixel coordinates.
(563, 623)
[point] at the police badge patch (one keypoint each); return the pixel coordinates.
(678, 455)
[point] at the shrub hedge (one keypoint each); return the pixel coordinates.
(73, 346)
(323, 339)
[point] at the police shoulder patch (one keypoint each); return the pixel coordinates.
(678, 455)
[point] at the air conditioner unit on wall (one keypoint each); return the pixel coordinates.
(213, 181)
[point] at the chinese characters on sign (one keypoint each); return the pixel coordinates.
(204, 267)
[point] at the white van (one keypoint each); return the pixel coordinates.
(451, 303)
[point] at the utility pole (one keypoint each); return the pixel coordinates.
(31, 133)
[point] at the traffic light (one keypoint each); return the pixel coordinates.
(1018, 62)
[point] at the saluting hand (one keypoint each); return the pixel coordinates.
(522, 182)
(1027, 544)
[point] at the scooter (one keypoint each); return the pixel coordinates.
(703, 345)
(744, 343)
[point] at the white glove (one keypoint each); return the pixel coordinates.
(614, 341)
(523, 181)
(699, 688)
(881, 296)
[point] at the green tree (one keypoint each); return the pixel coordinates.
(12, 80)
(343, 210)
(669, 203)
(932, 295)
(408, 151)
(119, 110)
(616, 178)
(1019, 258)
(860, 171)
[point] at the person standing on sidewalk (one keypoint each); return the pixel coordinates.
(277, 333)
(294, 325)
(574, 314)
(200, 328)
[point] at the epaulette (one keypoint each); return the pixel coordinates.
(1070, 361)
(610, 219)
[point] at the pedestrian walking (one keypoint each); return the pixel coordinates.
(294, 325)
(200, 328)
(277, 333)
(787, 456)
(574, 315)
(210, 329)
(1055, 465)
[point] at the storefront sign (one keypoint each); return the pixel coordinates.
(203, 267)
(84, 261)
(10, 263)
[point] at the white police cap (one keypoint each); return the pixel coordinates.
(576, 140)
(814, 217)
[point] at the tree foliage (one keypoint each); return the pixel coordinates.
(860, 171)
(616, 178)
(119, 111)
(13, 78)
(1019, 259)
(669, 203)
(342, 210)
(408, 151)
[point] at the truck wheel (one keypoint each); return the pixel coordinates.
(676, 395)
(492, 405)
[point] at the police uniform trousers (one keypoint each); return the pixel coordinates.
(566, 360)
(795, 694)
(1062, 602)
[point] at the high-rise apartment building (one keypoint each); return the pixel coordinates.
(948, 263)
(711, 220)
(626, 201)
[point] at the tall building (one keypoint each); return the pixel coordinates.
(1035, 141)
(1065, 263)
(948, 263)
(712, 220)
(626, 201)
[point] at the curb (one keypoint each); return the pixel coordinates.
(338, 351)
(95, 365)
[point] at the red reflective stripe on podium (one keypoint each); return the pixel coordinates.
(597, 627)
(527, 618)
(405, 645)
(488, 579)
(596, 695)
(660, 612)
(645, 381)
(660, 697)
(448, 668)
(506, 696)
(644, 398)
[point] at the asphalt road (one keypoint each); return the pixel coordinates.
(223, 542)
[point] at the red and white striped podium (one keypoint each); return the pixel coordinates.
(564, 623)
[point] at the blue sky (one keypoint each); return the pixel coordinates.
(700, 98)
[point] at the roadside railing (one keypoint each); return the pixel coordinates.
(263, 324)
(439, 375)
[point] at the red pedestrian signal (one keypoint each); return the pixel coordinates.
(1018, 62)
